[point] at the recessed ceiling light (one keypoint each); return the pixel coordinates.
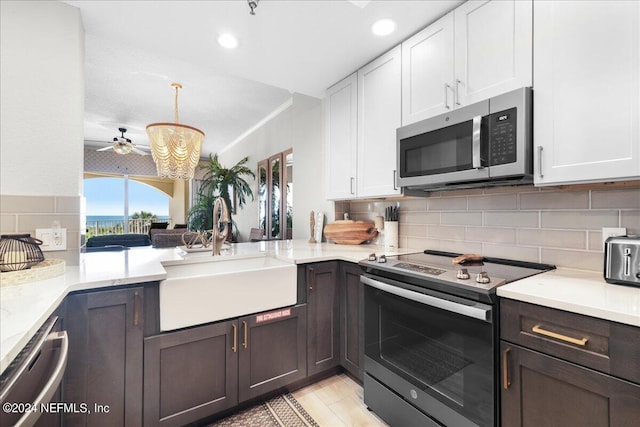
(228, 41)
(383, 27)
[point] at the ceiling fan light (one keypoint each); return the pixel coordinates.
(175, 147)
(122, 148)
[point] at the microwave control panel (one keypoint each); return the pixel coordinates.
(502, 137)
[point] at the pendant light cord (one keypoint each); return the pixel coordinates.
(175, 110)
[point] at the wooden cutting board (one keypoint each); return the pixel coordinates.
(350, 232)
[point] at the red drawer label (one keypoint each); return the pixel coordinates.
(273, 315)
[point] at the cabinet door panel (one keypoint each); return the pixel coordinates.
(545, 391)
(587, 91)
(493, 43)
(341, 104)
(105, 356)
(190, 374)
(427, 72)
(107, 346)
(272, 352)
(323, 317)
(379, 111)
(351, 319)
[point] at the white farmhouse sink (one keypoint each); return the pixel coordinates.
(223, 288)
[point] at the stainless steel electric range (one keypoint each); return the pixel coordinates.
(431, 336)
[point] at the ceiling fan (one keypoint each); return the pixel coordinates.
(122, 145)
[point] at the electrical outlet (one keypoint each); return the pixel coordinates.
(612, 232)
(53, 239)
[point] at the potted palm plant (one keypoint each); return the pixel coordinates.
(219, 181)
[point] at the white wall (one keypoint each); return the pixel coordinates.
(179, 202)
(42, 98)
(299, 127)
(41, 119)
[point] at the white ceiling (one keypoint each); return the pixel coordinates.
(136, 49)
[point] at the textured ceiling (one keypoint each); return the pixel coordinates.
(136, 49)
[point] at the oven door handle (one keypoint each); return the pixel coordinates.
(474, 311)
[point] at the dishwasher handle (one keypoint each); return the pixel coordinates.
(57, 342)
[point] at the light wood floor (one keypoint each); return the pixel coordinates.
(337, 402)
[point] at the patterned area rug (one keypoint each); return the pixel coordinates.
(281, 411)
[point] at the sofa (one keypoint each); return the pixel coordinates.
(167, 238)
(116, 242)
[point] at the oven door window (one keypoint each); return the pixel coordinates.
(447, 355)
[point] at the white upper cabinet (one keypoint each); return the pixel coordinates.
(493, 45)
(586, 91)
(379, 111)
(341, 119)
(427, 72)
(481, 49)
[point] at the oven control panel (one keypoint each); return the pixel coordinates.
(420, 268)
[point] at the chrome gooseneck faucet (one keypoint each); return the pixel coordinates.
(220, 215)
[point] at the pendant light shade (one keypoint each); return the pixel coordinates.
(175, 147)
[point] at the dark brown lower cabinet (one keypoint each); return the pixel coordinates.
(194, 373)
(541, 390)
(190, 374)
(323, 343)
(351, 320)
(104, 368)
(273, 350)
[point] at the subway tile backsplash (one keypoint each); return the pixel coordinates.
(550, 225)
(23, 214)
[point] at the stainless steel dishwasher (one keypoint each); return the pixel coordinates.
(30, 381)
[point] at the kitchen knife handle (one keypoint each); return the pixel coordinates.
(234, 347)
(245, 328)
(505, 368)
(581, 342)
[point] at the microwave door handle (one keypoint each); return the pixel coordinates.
(475, 143)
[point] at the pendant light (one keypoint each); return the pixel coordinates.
(175, 147)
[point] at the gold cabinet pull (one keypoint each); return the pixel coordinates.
(234, 347)
(505, 369)
(538, 330)
(245, 341)
(136, 308)
(312, 278)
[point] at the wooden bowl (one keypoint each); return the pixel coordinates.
(350, 232)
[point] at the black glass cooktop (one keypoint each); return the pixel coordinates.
(509, 270)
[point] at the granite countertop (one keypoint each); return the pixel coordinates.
(578, 291)
(25, 307)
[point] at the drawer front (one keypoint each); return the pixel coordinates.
(541, 390)
(599, 344)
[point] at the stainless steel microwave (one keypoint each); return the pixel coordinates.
(488, 143)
